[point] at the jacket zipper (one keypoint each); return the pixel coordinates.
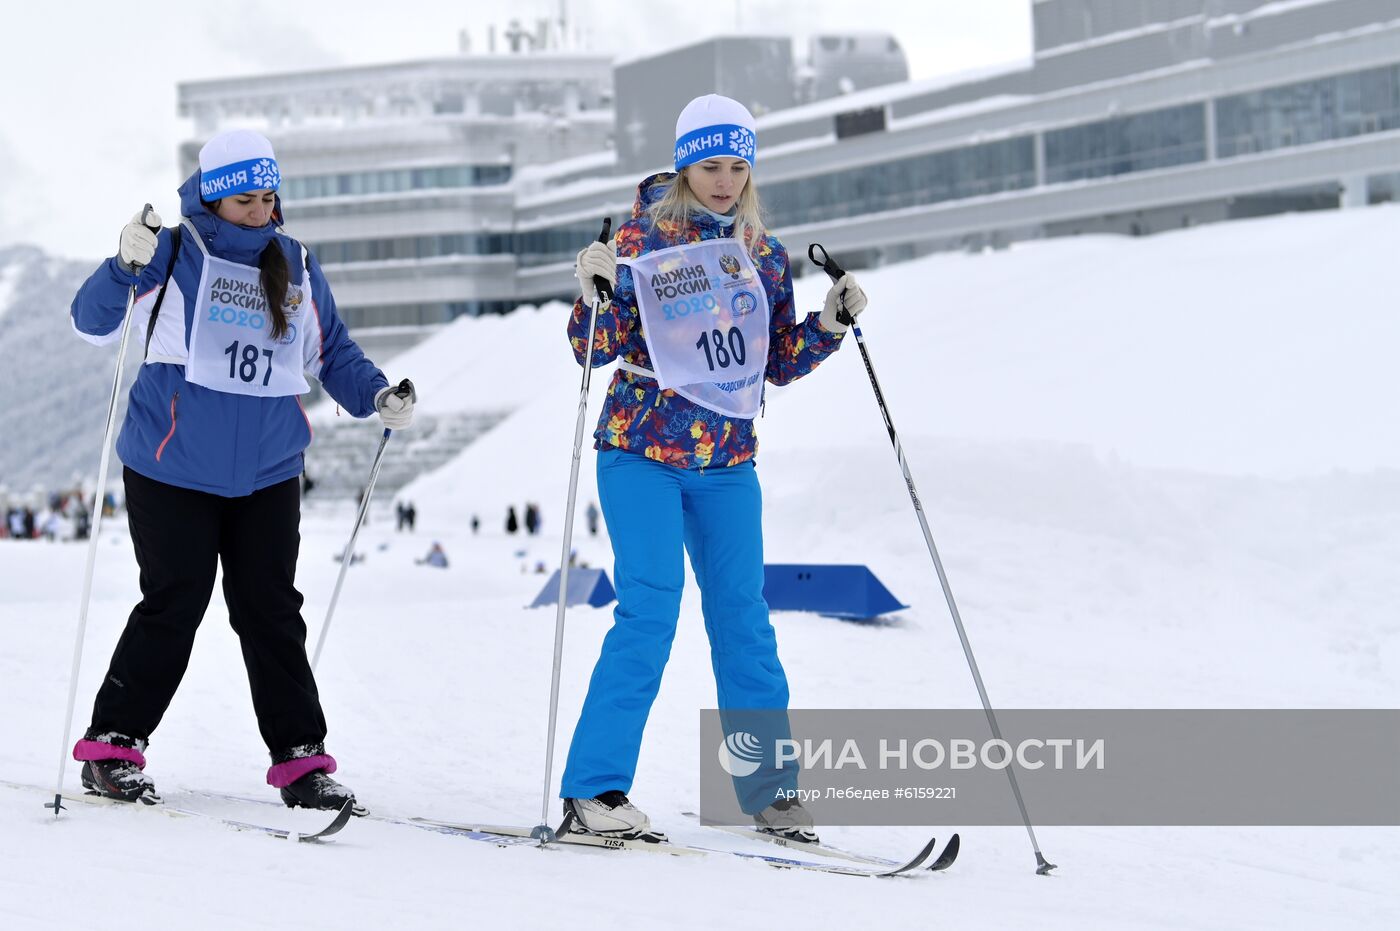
(160, 449)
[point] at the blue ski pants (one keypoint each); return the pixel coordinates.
(653, 512)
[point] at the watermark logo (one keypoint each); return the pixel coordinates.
(740, 754)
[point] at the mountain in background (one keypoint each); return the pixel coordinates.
(55, 386)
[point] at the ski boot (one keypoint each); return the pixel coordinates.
(318, 790)
(608, 814)
(121, 780)
(786, 818)
(112, 767)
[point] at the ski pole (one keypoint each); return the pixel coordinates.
(404, 390)
(828, 265)
(136, 269)
(601, 291)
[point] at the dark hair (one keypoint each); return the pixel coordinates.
(275, 278)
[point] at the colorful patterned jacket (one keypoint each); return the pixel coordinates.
(638, 415)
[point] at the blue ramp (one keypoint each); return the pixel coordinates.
(846, 591)
(586, 586)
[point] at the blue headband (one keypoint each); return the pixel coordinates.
(727, 140)
(255, 174)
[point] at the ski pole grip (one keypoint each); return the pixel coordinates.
(137, 267)
(406, 390)
(826, 262)
(600, 284)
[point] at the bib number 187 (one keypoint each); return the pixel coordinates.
(728, 348)
(246, 368)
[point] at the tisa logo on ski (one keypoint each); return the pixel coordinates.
(740, 754)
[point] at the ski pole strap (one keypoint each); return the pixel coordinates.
(826, 262)
(635, 369)
(160, 298)
(828, 265)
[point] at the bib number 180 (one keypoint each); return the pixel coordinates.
(727, 348)
(246, 368)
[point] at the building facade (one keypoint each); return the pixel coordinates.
(1130, 118)
(401, 177)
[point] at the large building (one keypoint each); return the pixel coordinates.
(466, 185)
(401, 177)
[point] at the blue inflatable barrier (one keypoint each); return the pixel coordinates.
(586, 586)
(845, 591)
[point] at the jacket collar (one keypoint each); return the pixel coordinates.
(226, 240)
(705, 223)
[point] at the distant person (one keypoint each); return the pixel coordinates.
(476, 524)
(591, 515)
(512, 525)
(212, 445)
(436, 557)
(400, 517)
(676, 466)
(532, 519)
(410, 514)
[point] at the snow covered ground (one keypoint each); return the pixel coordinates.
(1159, 475)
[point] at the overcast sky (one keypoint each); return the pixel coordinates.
(88, 128)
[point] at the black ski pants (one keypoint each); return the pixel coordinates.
(180, 536)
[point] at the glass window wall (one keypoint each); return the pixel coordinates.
(1321, 110)
(1125, 144)
(924, 179)
(392, 181)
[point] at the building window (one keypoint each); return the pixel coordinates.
(1339, 107)
(971, 171)
(393, 181)
(1383, 189)
(410, 247)
(384, 315)
(1140, 142)
(554, 244)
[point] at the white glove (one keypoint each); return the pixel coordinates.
(844, 294)
(599, 258)
(138, 241)
(395, 410)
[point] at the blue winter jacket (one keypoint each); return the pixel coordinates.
(191, 436)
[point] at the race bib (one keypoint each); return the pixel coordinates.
(231, 344)
(705, 321)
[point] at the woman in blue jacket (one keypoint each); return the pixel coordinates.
(701, 318)
(212, 447)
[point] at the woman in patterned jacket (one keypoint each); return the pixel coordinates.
(702, 316)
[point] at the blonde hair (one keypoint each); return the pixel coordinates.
(675, 208)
